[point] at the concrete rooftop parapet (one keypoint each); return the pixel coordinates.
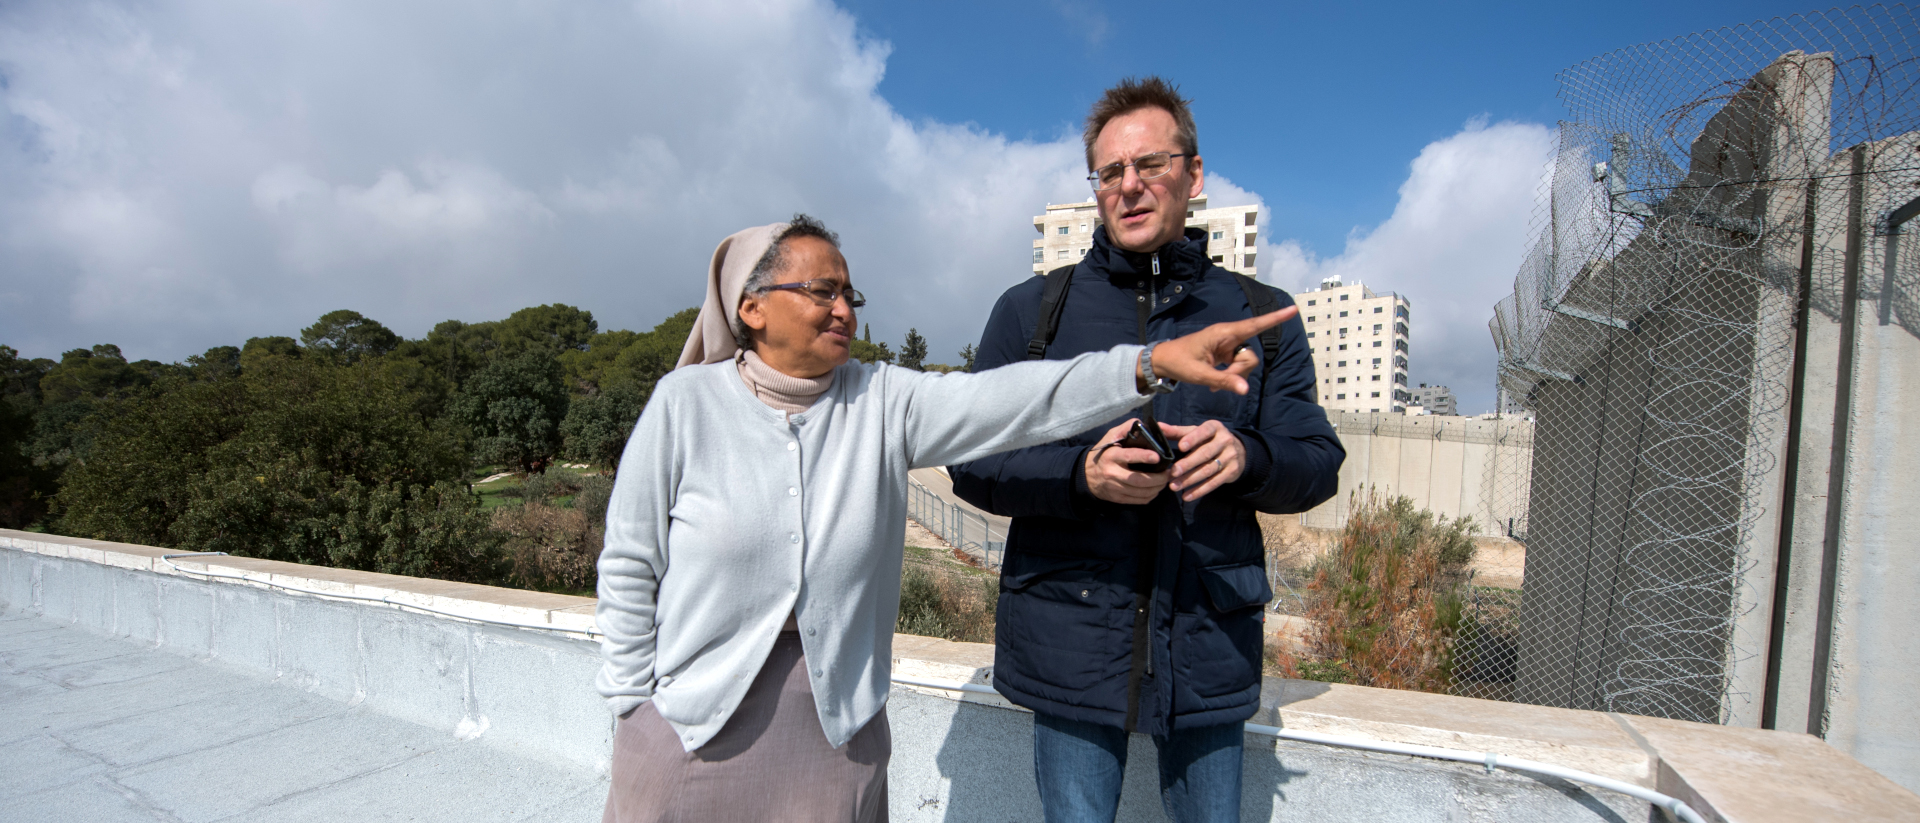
(562, 612)
(958, 755)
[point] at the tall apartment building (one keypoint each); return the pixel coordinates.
(1066, 232)
(1359, 342)
(1435, 399)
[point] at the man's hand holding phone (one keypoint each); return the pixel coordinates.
(1110, 473)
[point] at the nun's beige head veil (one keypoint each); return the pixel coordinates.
(713, 338)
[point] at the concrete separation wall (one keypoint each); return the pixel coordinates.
(955, 757)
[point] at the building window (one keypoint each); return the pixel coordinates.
(1343, 364)
(1376, 362)
(1219, 234)
(1343, 331)
(1250, 217)
(1374, 410)
(1343, 297)
(1376, 344)
(1083, 227)
(1400, 329)
(1376, 394)
(1311, 318)
(1376, 378)
(1219, 258)
(1378, 309)
(1250, 260)
(1399, 345)
(1343, 347)
(1400, 312)
(1376, 328)
(1310, 302)
(1342, 397)
(1309, 335)
(1062, 255)
(1341, 380)
(1063, 230)
(1248, 240)
(1400, 379)
(1039, 255)
(1343, 314)
(1083, 252)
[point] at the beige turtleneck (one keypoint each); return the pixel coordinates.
(783, 392)
(778, 389)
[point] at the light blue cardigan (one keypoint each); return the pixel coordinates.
(727, 515)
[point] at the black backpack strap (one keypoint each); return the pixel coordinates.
(1261, 299)
(1053, 301)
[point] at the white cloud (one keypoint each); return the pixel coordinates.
(1451, 246)
(186, 175)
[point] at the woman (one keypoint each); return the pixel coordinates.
(751, 575)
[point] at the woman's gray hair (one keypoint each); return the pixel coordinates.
(771, 263)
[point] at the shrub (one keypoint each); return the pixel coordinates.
(952, 604)
(1386, 601)
(550, 548)
(591, 499)
(549, 486)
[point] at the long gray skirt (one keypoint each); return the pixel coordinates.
(770, 762)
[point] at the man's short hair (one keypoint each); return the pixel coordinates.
(1135, 94)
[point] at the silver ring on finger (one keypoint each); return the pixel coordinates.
(1219, 465)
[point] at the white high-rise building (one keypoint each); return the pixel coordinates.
(1066, 233)
(1359, 342)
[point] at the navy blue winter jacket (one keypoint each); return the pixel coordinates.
(1066, 641)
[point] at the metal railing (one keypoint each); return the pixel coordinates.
(965, 530)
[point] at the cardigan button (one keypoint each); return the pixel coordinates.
(793, 492)
(792, 446)
(793, 537)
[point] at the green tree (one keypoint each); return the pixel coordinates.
(296, 459)
(913, 353)
(217, 363)
(97, 373)
(557, 327)
(869, 353)
(23, 485)
(259, 349)
(596, 427)
(347, 336)
(967, 353)
(514, 407)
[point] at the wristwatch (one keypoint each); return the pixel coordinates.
(1155, 384)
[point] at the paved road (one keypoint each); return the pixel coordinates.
(105, 730)
(936, 481)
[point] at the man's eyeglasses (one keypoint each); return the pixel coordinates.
(1148, 166)
(824, 292)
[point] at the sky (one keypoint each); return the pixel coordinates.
(181, 175)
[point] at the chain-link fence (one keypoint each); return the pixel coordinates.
(965, 530)
(1703, 186)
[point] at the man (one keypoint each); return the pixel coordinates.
(1131, 600)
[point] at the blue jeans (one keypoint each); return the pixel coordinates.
(1079, 767)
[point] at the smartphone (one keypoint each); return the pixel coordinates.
(1142, 436)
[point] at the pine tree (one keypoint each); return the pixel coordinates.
(967, 353)
(913, 353)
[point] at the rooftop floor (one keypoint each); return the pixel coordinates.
(105, 730)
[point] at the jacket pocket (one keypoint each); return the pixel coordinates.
(1236, 587)
(1023, 569)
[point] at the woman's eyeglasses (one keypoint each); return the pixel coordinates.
(824, 292)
